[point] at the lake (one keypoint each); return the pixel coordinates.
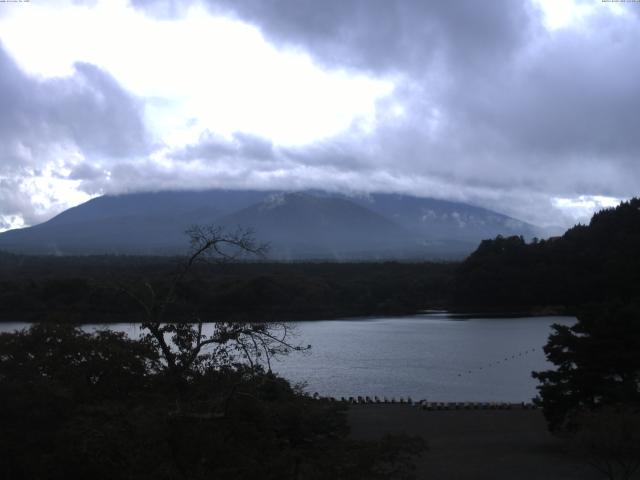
(434, 356)
(429, 356)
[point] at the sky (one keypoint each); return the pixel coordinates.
(529, 108)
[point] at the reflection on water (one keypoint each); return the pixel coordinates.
(428, 356)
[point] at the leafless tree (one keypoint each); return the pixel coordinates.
(185, 346)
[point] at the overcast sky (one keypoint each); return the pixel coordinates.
(532, 109)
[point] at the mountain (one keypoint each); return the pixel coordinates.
(298, 225)
(441, 220)
(139, 223)
(302, 225)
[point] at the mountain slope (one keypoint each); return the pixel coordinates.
(140, 223)
(299, 225)
(441, 220)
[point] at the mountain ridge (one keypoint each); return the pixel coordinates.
(299, 225)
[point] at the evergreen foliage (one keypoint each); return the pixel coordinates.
(597, 364)
(85, 289)
(589, 263)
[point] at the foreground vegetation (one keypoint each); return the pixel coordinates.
(597, 364)
(175, 403)
(593, 393)
(102, 406)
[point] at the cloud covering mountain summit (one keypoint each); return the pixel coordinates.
(519, 105)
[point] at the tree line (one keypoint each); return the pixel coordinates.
(88, 289)
(597, 262)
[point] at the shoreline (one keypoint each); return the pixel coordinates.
(452, 314)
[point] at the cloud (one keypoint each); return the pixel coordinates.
(582, 207)
(497, 103)
(88, 110)
(85, 171)
(210, 146)
(48, 125)
(14, 202)
(389, 36)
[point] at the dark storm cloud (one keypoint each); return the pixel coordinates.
(88, 110)
(97, 113)
(496, 107)
(378, 35)
(583, 94)
(517, 105)
(388, 35)
(564, 114)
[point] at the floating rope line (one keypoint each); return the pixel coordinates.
(496, 363)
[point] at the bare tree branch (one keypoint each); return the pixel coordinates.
(184, 346)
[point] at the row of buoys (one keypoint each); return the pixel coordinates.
(498, 362)
(425, 405)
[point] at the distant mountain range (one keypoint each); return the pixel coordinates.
(298, 225)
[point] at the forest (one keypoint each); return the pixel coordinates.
(90, 289)
(590, 263)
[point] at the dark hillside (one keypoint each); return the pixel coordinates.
(589, 263)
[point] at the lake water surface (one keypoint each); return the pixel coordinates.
(430, 356)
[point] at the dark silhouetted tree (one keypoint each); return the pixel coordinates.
(185, 346)
(597, 364)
